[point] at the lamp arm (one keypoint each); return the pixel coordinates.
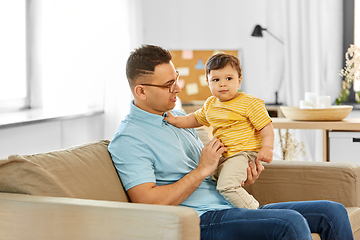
(273, 36)
(279, 86)
(278, 89)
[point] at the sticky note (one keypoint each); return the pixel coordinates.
(183, 71)
(187, 54)
(192, 89)
(181, 83)
(217, 51)
(200, 64)
(202, 80)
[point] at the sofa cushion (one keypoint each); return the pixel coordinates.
(84, 171)
(284, 181)
(354, 216)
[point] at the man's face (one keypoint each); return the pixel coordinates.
(160, 100)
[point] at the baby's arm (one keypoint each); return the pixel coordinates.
(266, 152)
(188, 121)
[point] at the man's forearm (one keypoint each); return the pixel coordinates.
(171, 194)
(176, 193)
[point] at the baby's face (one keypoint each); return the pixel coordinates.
(224, 83)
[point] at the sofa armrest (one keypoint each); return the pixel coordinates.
(35, 217)
(283, 181)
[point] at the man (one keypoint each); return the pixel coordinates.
(161, 164)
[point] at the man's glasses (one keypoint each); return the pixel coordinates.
(171, 85)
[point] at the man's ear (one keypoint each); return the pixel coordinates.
(139, 91)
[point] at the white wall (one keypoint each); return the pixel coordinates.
(210, 24)
(354, 114)
(117, 34)
(51, 135)
(116, 19)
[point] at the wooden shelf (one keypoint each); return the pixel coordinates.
(352, 124)
(348, 124)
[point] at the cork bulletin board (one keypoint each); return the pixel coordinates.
(190, 64)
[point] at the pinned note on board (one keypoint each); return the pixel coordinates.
(181, 83)
(187, 54)
(217, 51)
(192, 89)
(183, 71)
(202, 80)
(200, 64)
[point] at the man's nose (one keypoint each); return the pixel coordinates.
(177, 87)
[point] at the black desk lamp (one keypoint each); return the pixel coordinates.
(258, 33)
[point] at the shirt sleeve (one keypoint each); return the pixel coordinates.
(200, 114)
(257, 114)
(132, 161)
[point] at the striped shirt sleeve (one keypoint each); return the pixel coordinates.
(257, 114)
(200, 114)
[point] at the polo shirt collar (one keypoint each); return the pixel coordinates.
(146, 116)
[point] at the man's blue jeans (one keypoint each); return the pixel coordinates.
(290, 220)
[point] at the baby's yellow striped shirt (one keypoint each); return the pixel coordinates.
(236, 122)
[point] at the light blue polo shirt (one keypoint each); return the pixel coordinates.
(146, 148)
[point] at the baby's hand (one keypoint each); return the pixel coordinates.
(265, 155)
(170, 118)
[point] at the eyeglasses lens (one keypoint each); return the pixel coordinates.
(172, 87)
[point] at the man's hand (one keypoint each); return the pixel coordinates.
(265, 154)
(210, 156)
(253, 172)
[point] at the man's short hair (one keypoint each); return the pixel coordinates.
(220, 60)
(143, 60)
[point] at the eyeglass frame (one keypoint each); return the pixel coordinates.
(170, 85)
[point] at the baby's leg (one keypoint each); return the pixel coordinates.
(232, 173)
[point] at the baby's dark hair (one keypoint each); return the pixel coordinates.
(143, 60)
(220, 60)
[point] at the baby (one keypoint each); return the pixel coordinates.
(239, 120)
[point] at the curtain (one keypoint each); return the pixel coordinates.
(310, 58)
(117, 92)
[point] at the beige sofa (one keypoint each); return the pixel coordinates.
(76, 194)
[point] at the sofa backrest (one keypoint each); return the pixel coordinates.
(84, 171)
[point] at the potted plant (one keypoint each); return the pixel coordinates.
(351, 74)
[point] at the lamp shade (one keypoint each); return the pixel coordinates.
(257, 31)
